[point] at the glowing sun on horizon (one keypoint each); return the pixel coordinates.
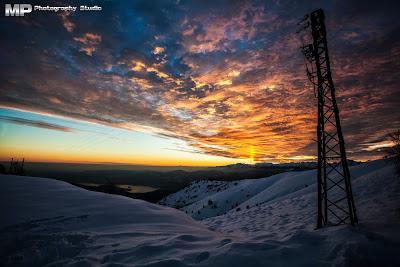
(251, 154)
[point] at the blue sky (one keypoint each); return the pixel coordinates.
(48, 138)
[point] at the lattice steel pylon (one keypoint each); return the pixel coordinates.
(335, 198)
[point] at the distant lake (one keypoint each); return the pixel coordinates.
(137, 188)
(129, 188)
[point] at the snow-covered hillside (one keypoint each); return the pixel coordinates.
(206, 199)
(49, 222)
(288, 204)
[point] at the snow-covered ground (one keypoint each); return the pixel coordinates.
(262, 222)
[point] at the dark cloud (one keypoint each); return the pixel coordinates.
(34, 123)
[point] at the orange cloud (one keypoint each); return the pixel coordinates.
(89, 41)
(158, 50)
(67, 23)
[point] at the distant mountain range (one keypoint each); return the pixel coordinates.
(303, 164)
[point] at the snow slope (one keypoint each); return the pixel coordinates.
(50, 222)
(288, 204)
(203, 201)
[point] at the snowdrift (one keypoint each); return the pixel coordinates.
(48, 221)
(263, 222)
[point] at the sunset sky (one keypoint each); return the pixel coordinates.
(192, 82)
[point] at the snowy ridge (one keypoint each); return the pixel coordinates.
(205, 199)
(49, 222)
(289, 203)
(66, 225)
(200, 200)
(194, 192)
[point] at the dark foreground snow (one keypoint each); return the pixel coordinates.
(49, 222)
